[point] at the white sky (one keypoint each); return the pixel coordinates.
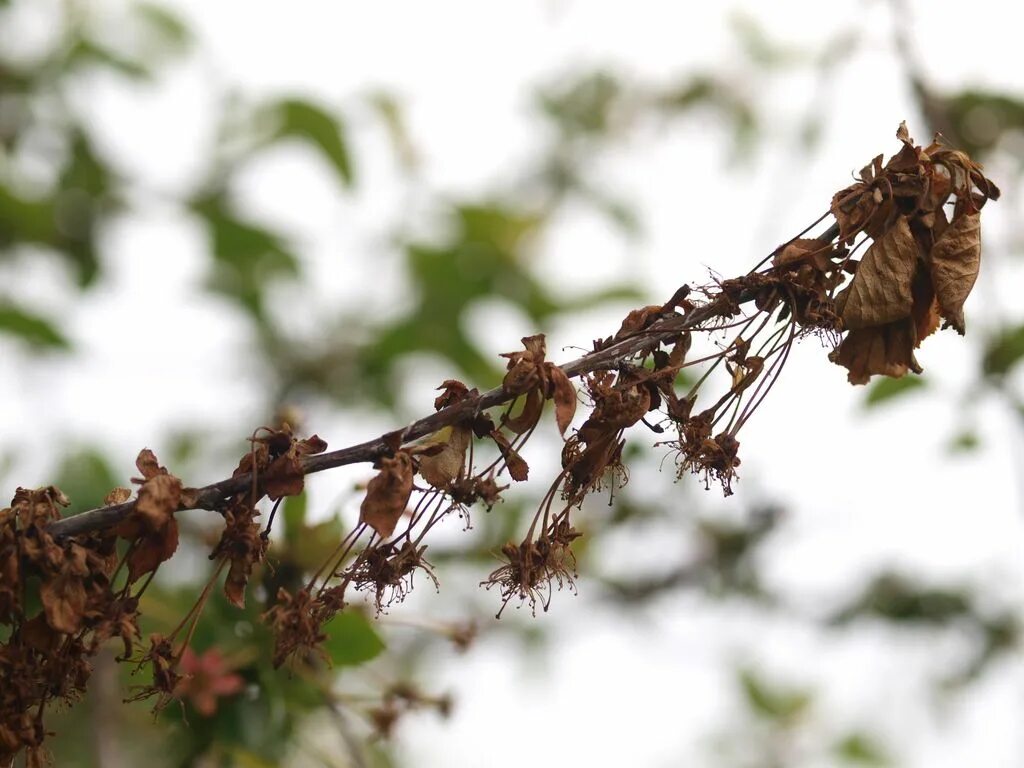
(864, 489)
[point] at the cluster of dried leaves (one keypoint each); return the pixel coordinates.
(720, 347)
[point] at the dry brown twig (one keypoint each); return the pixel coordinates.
(915, 274)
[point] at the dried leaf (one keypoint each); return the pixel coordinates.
(925, 313)
(803, 250)
(158, 500)
(564, 396)
(311, 445)
(284, 476)
(148, 465)
(387, 494)
(523, 372)
(151, 525)
(63, 599)
(443, 467)
(452, 392)
(638, 319)
(518, 469)
(955, 260)
(886, 349)
(529, 416)
(117, 496)
(152, 549)
(880, 291)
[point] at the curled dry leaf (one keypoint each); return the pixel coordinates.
(242, 545)
(955, 261)
(284, 476)
(517, 467)
(441, 469)
(387, 494)
(564, 395)
(151, 525)
(804, 250)
(528, 417)
(880, 291)
(887, 350)
(63, 596)
(522, 375)
(117, 496)
(452, 391)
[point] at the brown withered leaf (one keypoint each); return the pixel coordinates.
(158, 500)
(925, 313)
(885, 349)
(518, 469)
(148, 465)
(151, 524)
(638, 319)
(442, 468)
(529, 416)
(880, 291)
(523, 374)
(804, 250)
(117, 496)
(452, 392)
(564, 395)
(955, 260)
(387, 494)
(63, 599)
(151, 549)
(243, 545)
(746, 373)
(284, 476)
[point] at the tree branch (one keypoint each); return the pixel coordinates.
(211, 496)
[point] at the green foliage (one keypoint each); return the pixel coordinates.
(86, 477)
(1003, 352)
(860, 749)
(32, 329)
(248, 259)
(351, 640)
(897, 599)
(981, 118)
(297, 119)
(772, 701)
(884, 389)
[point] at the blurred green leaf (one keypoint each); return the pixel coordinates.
(35, 330)
(860, 749)
(168, 26)
(896, 598)
(248, 259)
(64, 222)
(86, 477)
(1003, 352)
(304, 120)
(308, 546)
(390, 112)
(884, 389)
(772, 701)
(351, 640)
(755, 43)
(86, 52)
(294, 514)
(980, 118)
(965, 441)
(583, 106)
